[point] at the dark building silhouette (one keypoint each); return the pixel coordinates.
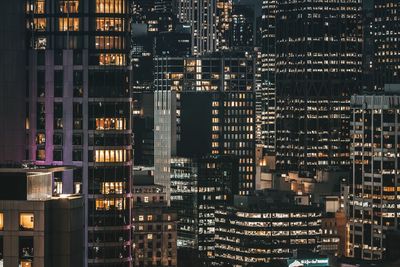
(318, 67)
(12, 82)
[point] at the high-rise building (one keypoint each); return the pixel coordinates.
(243, 29)
(154, 226)
(266, 94)
(318, 67)
(219, 91)
(143, 128)
(266, 226)
(12, 82)
(80, 112)
(37, 228)
(210, 22)
(374, 187)
(383, 28)
(198, 187)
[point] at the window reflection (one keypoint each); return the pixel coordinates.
(1, 221)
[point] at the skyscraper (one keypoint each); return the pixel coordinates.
(219, 87)
(375, 186)
(210, 23)
(266, 96)
(318, 66)
(12, 82)
(384, 28)
(80, 110)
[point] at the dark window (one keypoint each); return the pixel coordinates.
(57, 155)
(78, 83)
(58, 83)
(41, 88)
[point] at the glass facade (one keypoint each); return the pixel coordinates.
(78, 58)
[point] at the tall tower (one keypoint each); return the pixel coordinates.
(210, 22)
(266, 96)
(79, 113)
(318, 66)
(375, 184)
(12, 82)
(385, 50)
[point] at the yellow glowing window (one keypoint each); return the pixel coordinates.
(110, 204)
(39, 24)
(112, 59)
(68, 24)
(112, 188)
(40, 6)
(149, 217)
(149, 236)
(26, 221)
(1, 221)
(69, 6)
(141, 217)
(110, 24)
(110, 6)
(111, 124)
(26, 263)
(111, 155)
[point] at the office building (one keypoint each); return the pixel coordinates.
(264, 227)
(382, 25)
(374, 186)
(210, 23)
(143, 127)
(154, 226)
(37, 228)
(243, 29)
(80, 112)
(217, 90)
(198, 187)
(266, 95)
(12, 82)
(318, 65)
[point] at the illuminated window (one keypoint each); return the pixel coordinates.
(111, 156)
(149, 236)
(146, 199)
(110, 42)
(69, 6)
(110, 204)
(111, 124)
(1, 221)
(40, 139)
(110, 24)
(40, 6)
(149, 217)
(112, 188)
(68, 24)
(39, 24)
(26, 263)
(110, 6)
(112, 59)
(141, 218)
(26, 221)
